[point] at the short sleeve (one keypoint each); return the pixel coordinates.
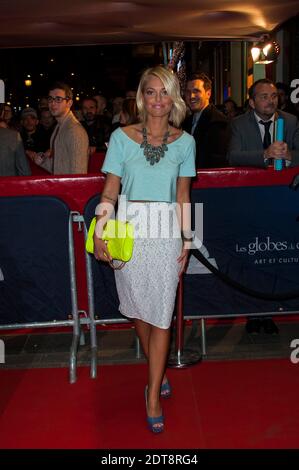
(113, 162)
(187, 167)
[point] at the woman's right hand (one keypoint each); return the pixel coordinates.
(101, 252)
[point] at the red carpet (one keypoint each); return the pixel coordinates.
(240, 404)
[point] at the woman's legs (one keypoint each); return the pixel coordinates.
(155, 344)
(158, 352)
(143, 331)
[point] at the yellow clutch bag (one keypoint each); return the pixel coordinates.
(119, 236)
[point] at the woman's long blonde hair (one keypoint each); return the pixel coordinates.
(172, 86)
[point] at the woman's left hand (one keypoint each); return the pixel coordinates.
(183, 258)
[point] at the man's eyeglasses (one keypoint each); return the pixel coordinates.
(57, 99)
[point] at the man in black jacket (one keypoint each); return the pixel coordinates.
(96, 125)
(209, 127)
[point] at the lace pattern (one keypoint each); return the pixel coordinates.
(147, 284)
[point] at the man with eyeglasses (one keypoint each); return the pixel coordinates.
(253, 141)
(68, 153)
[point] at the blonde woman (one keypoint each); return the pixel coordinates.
(153, 161)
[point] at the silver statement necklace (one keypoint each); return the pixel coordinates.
(151, 153)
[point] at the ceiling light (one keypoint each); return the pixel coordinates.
(265, 52)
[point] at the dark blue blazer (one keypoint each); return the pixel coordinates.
(212, 134)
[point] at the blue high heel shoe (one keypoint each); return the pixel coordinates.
(155, 424)
(166, 391)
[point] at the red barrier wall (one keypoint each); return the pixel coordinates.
(77, 190)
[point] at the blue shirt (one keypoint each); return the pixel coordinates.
(142, 181)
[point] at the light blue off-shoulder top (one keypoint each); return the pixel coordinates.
(142, 181)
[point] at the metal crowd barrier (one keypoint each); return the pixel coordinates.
(90, 290)
(37, 262)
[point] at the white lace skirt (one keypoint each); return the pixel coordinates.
(147, 284)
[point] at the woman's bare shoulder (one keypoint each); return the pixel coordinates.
(174, 133)
(134, 131)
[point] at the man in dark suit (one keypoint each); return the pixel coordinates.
(13, 161)
(208, 126)
(96, 126)
(252, 142)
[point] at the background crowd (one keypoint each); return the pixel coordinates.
(210, 125)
